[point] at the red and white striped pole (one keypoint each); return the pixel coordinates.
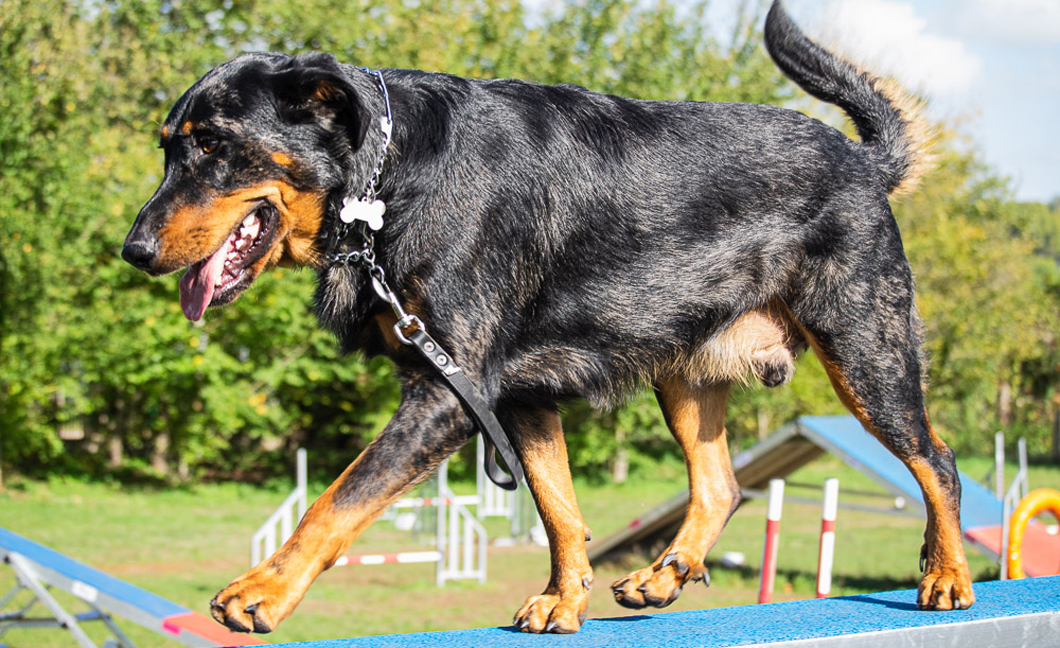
(390, 558)
(769, 554)
(827, 552)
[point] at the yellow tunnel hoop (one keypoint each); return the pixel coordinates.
(1036, 501)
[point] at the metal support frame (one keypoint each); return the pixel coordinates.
(495, 501)
(461, 539)
(28, 580)
(518, 505)
(1017, 490)
(268, 538)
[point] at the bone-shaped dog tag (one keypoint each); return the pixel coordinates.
(370, 212)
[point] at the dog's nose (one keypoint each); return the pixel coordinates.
(141, 254)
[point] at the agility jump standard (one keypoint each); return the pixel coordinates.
(1006, 614)
(461, 539)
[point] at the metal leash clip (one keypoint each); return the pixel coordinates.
(405, 321)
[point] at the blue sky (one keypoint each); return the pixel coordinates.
(991, 66)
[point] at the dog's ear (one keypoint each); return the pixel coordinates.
(315, 88)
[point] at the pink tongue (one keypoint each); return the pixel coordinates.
(198, 283)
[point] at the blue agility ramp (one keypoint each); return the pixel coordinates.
(37, 568)
(792, 447)
(1007, 614)
(844, 437)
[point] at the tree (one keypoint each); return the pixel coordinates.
(983, 283)
(90, 347)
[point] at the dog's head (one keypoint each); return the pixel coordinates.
(253, 153)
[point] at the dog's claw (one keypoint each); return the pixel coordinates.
(675, 560)
(658, 585)
(554, 612)
(703, 575)
(257, 601)
(945, 588)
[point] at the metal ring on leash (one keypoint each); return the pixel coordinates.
(406, 322)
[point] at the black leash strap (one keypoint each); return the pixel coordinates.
(475, 405)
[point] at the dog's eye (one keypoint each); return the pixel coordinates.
(208, 145)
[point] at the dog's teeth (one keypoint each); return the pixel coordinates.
(241, 243)
(249, 220)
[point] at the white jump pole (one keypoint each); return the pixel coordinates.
(827, 551)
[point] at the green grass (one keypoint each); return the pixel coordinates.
(185, 544)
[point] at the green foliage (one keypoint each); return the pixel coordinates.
(96, 351)
(986, 271)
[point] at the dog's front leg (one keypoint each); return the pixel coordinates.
(427, 427)
(561, 608)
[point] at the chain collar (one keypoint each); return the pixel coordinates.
(386, 124)
(365, 214)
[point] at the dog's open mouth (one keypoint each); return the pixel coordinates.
(221, 277)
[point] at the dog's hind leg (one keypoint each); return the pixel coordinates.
(428, 426)
(561, 608)
(907, 433)
(696, 417)
(865, 336)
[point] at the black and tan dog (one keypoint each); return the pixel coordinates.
(561, 244)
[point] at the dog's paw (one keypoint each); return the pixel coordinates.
(255, 602)
(553, 613)
(658, 585)
(945, 590)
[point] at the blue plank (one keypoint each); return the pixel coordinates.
(844, 436)
(106, 584)
(749, 624)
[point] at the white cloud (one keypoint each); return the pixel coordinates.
(891, 38)
(1009, 22)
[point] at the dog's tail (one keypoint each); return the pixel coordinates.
(888, 120)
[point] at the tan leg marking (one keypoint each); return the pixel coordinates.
(947, 581)
(561, 607)
(696, 416)
(267, 594)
